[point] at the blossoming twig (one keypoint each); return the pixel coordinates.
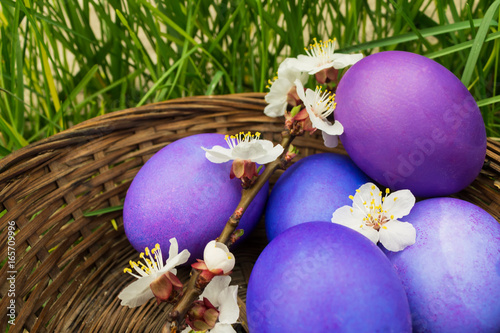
(194, 287)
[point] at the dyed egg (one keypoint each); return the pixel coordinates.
(311, 190)
(452, 273)
(179, 193)
(409, 123)
(324, 277)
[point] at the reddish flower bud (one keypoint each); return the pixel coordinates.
(292, 97)
(243, 169)
(166, 287)
(299, 123)
(332, 74)
(202, 315)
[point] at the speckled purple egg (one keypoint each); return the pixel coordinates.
(311, 190)
(409, 123)
(324, 277)
(452, 273)
(179, 193)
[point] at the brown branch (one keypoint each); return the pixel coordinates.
(194, 288)
(249, 194)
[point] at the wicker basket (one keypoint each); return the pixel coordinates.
(69, 266)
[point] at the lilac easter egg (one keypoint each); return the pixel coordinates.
(311, 190)
(409, 123)
(324, 277)
(452, 273)
(179, 193)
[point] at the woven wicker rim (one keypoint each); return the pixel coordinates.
(68, 265)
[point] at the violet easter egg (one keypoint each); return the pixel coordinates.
(324, 277)
(409, 123)
(311, 190)
(179, 193)
(452, 272)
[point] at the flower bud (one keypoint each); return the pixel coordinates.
(166, 287)
(218, 257)
(243, 169)
(202, 315)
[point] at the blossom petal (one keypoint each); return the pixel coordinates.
(218, 154)
(217, 256)
(370, 233)
(275, 109)
(214, 288)
(396, 236)
(325, 125)
(344, 216)
(399, 203)
(222, 328)
(330, 141)
(344, 60)
(282, 86)
(306, 64)
(138, 292)
(271, 155)
(319, 68)
(369, 195)
(300, 90)
(179, 259)
(362, 197)
(311, 97)
(229, 311)
(173, 250)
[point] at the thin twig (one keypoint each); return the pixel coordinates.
(194, 289)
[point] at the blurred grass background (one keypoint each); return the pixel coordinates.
(65, 61)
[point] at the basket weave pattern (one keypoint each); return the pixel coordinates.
(69, 266)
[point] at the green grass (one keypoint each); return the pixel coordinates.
(63, 62)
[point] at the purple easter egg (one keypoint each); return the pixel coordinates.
(179, 193)
(409, 123)
(324, 277)
(311, 190)
(452, 273)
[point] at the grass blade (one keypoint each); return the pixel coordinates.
(103, 211)
(478, 43)
(459, 47)
(489, 101)
(214, 82)
(434, 31)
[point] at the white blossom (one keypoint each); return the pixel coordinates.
(225, 298)
(282, 88)
(319, 106)
(321, 55)
(139, 292)
(376, 217)
(244, 147)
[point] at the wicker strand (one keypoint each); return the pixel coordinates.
(69, 265)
